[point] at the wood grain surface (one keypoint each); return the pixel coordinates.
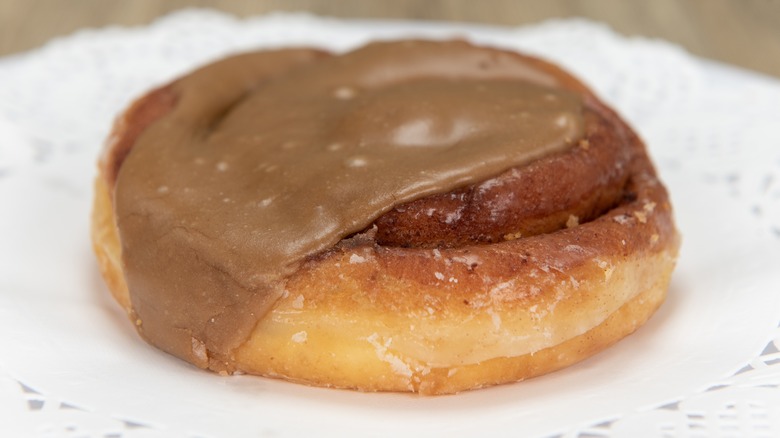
(741, 32)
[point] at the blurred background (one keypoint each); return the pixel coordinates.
(745, 33)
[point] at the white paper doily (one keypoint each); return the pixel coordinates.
(708, 364)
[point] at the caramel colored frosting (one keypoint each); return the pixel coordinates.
(273, 157)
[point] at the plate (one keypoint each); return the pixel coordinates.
(65, 337)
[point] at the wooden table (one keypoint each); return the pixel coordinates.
(740, 32)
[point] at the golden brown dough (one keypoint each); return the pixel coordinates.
(446, 307)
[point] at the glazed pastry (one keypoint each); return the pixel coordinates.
(410, 216)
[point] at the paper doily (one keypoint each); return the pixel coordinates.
(707, 365)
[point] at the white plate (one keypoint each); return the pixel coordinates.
(63, 336)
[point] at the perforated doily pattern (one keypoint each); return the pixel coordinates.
(57, 103)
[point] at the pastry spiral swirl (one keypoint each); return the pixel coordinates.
(465, 283)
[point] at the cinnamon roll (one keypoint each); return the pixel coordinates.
(409, 216)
